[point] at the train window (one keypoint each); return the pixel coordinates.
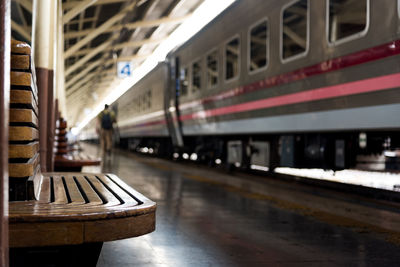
(347, 19)
(258, 38)
(196, 76)
(294, 31)
(184, 81)
(212, 69)
(232, 50)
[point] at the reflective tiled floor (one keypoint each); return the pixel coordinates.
(201, 221)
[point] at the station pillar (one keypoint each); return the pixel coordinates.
(44, 28)
(60, 77)
(5, 40)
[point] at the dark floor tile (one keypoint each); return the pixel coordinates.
(201, 224)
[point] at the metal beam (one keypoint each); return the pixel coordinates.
(77, 9)
(76, 96)
(84, 72)
(131, 26)
(21, 30)
(71, 4)
(122, 45)
(26, 4)
(129, 58)
(21, 15)
(80, 83)
(73, 96)
(86, 58)
(77, 21)
(94, 33)
(77, 86)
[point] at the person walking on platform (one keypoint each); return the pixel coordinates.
(106, 119)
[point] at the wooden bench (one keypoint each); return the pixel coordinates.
(23, 131)
(64, 217)
(66, 160)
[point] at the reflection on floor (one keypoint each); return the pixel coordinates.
(380, 180)
(202, 221)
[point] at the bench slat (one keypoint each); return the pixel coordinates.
(33, 185)
(21, 97)
(126, 187)
(19, 78)
(92, 196)
(25, 98)
(126, 198)
(23, 169)
(23, 151)
(107, 195)
(22, 211)
(20, 62)
(53, 209)
(18, 47)
(23, 115)
(43, 223)
(24, 79)
(74, 193)
(44, 196)
(60, 196)
(23, 133)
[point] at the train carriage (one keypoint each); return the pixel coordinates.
(141, 116)
(300, 83)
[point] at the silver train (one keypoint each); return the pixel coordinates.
(304, 83)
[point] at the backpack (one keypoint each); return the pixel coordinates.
(106, 121)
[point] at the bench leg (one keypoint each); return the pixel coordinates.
(74, 255)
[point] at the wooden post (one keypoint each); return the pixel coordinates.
(43, 45)
(5, 40)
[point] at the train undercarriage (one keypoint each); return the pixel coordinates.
(335, 151)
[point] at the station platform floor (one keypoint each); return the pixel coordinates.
(206, 217)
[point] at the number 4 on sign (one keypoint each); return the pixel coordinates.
(124, 69)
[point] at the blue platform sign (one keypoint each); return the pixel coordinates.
(124, 69)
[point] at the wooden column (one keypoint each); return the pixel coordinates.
(43, 45)
(5, 40)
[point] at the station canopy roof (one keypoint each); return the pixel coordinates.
(100, 33)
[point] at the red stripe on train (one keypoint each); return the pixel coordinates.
(361, 57)
(346, 89)
(144, 124)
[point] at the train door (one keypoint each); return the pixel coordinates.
(171, 103)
